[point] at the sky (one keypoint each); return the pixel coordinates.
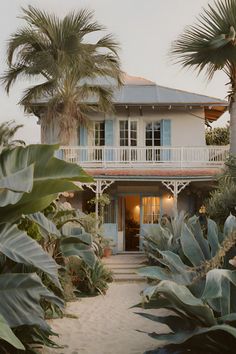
(145, 30)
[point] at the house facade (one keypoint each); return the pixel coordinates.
(149, 156)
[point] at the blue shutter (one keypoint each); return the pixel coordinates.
(166, 138)
(109, 139)
(83, 137)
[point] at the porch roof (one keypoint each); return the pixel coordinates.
(155, 174)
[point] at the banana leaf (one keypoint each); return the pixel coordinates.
(51, 176)
(19, 247)
(46, 226)
(8, 336)
(20, 296)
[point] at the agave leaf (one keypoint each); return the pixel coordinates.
(176, 323)
(7, 335)
(231, 317)
(183, 336)
(180, 271)
(155, 272)
(18, 246)
(191, 247)
(230, 224)
(20, 299)
(46, 225)
(212, 236)
(181, 297)
(218, 286)
(197, 231)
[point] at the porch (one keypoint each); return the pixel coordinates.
(145, 157)
(137, 204)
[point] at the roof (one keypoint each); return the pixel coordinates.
(155, 174)
(139, 91)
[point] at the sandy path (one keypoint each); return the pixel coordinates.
(106, 325)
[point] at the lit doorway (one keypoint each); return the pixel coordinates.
(132, 222)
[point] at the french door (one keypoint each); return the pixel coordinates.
(128, 138)
(153, 141)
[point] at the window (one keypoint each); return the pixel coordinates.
(128, 133)
(110, 213)
(153, 139)
(99, 140)
(99, 133)
(151, 210)
(128, 138)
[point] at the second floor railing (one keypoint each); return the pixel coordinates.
(143, 157)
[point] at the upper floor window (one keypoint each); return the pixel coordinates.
(99, 133)
(128, 133)
(153, 134)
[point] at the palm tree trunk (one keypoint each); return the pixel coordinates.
(233, 126)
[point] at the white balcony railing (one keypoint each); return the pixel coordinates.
(145, 157)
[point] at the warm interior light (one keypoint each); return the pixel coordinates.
(169, 197)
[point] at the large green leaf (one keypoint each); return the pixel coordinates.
(218, 287)
(195, 226)
(14, 185)
(230, 224)
(20, 296)
(212, 236)
(7, 335)
(18, 246)
(46, 225)
(191, 247)
(182, 336)
(72, 246)
(181, 298)
(51, 176)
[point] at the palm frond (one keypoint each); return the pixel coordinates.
(210, 44)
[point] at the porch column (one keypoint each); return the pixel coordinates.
(175, 186)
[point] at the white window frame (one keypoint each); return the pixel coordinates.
(94, 132)
(130, 120)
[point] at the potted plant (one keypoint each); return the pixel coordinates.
(107, 246)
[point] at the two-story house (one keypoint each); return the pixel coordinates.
(150, 156)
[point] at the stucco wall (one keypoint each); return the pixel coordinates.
(187, 126)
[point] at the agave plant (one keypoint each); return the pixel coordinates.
(201, 297)
(196, 252)
(30, 178)
(163, 236)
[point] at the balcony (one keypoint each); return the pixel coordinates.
(145, 157)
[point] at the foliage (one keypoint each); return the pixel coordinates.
(163, 236)
(30, 177)
(59, 50)
(210, 45)
(199, 295)
(217, 136)
(222, 200)
(90, 280)
(7, 132)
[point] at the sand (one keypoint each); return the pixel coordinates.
(106, 324)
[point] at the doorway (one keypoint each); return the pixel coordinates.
(132, 222)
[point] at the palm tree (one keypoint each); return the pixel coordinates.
(210, 45)
(55, 51)
(7, 132)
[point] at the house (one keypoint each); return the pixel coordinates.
(150, 157)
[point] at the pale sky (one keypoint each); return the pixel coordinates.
(145, 30)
